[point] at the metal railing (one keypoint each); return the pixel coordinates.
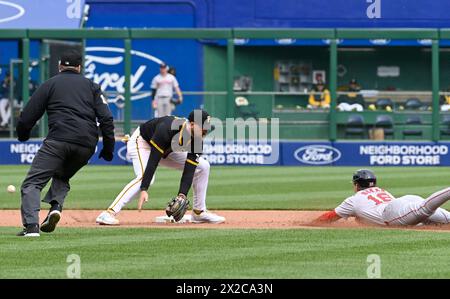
(332, 35)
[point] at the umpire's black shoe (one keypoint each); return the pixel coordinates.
(30, 230)
(52, 219)
(55, 206)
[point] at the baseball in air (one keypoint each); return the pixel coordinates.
(11, 189)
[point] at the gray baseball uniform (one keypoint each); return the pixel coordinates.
(377, 206)
(164, 86)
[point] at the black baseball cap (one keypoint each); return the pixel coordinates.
(364, 178)
(162, 65)
(71, 57)
(202, 115)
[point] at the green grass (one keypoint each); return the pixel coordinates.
(199, 253)
(303, 188)
(193, 253)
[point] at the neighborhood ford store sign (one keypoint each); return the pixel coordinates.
(366, 154)
(317, 154)
(358, 154)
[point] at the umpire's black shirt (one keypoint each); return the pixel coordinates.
(74, 104)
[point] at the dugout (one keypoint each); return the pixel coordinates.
(393, 64)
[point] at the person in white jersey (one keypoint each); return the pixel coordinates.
(162, 88)
(373, 205)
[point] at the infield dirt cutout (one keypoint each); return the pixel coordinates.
(249, 219)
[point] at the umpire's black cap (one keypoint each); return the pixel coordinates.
(71, 57)
(200, 115)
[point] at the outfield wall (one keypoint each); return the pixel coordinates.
(308, 153)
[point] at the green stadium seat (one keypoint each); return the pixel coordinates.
(413, 120)
(355, 126)
(381, 104)
(386, 123)
(413, 104)
(446, 122)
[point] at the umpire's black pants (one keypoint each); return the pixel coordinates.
(55, 160)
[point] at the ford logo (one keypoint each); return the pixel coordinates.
(15, 11)
(122, 153)
(317, 154)
(100, 63)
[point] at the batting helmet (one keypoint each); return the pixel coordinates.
(364, 178)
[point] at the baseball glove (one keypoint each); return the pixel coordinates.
(177, 207)
(175, 101)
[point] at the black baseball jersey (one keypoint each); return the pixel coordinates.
(167, 134)
(74, 104)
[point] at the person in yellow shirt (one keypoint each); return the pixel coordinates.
(319, 97)
(444, 100)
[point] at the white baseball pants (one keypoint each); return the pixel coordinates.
(138, 150)
(350, 107)
(5, 111)
(164, 106)
(412, 209)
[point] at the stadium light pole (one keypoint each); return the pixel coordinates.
(435, 88)
(127, 108)
(333, 87)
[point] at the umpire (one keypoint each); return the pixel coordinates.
(74, 105)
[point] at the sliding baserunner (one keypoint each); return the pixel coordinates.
(374, 205)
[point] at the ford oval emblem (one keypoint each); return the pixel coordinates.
(122, 153)
(12, 12)
(317, 154)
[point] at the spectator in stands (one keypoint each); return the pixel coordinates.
(5, 107)
(353, 100)
(5, 104)
(319, 97)
(444, 100)
(354, 86)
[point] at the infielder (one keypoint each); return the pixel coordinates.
(162, 87)
(374, 205)
(164, 141)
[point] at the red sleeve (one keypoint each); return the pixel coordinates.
(328, 217)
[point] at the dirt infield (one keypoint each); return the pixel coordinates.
(268, 219)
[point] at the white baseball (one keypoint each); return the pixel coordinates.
(11, 189)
